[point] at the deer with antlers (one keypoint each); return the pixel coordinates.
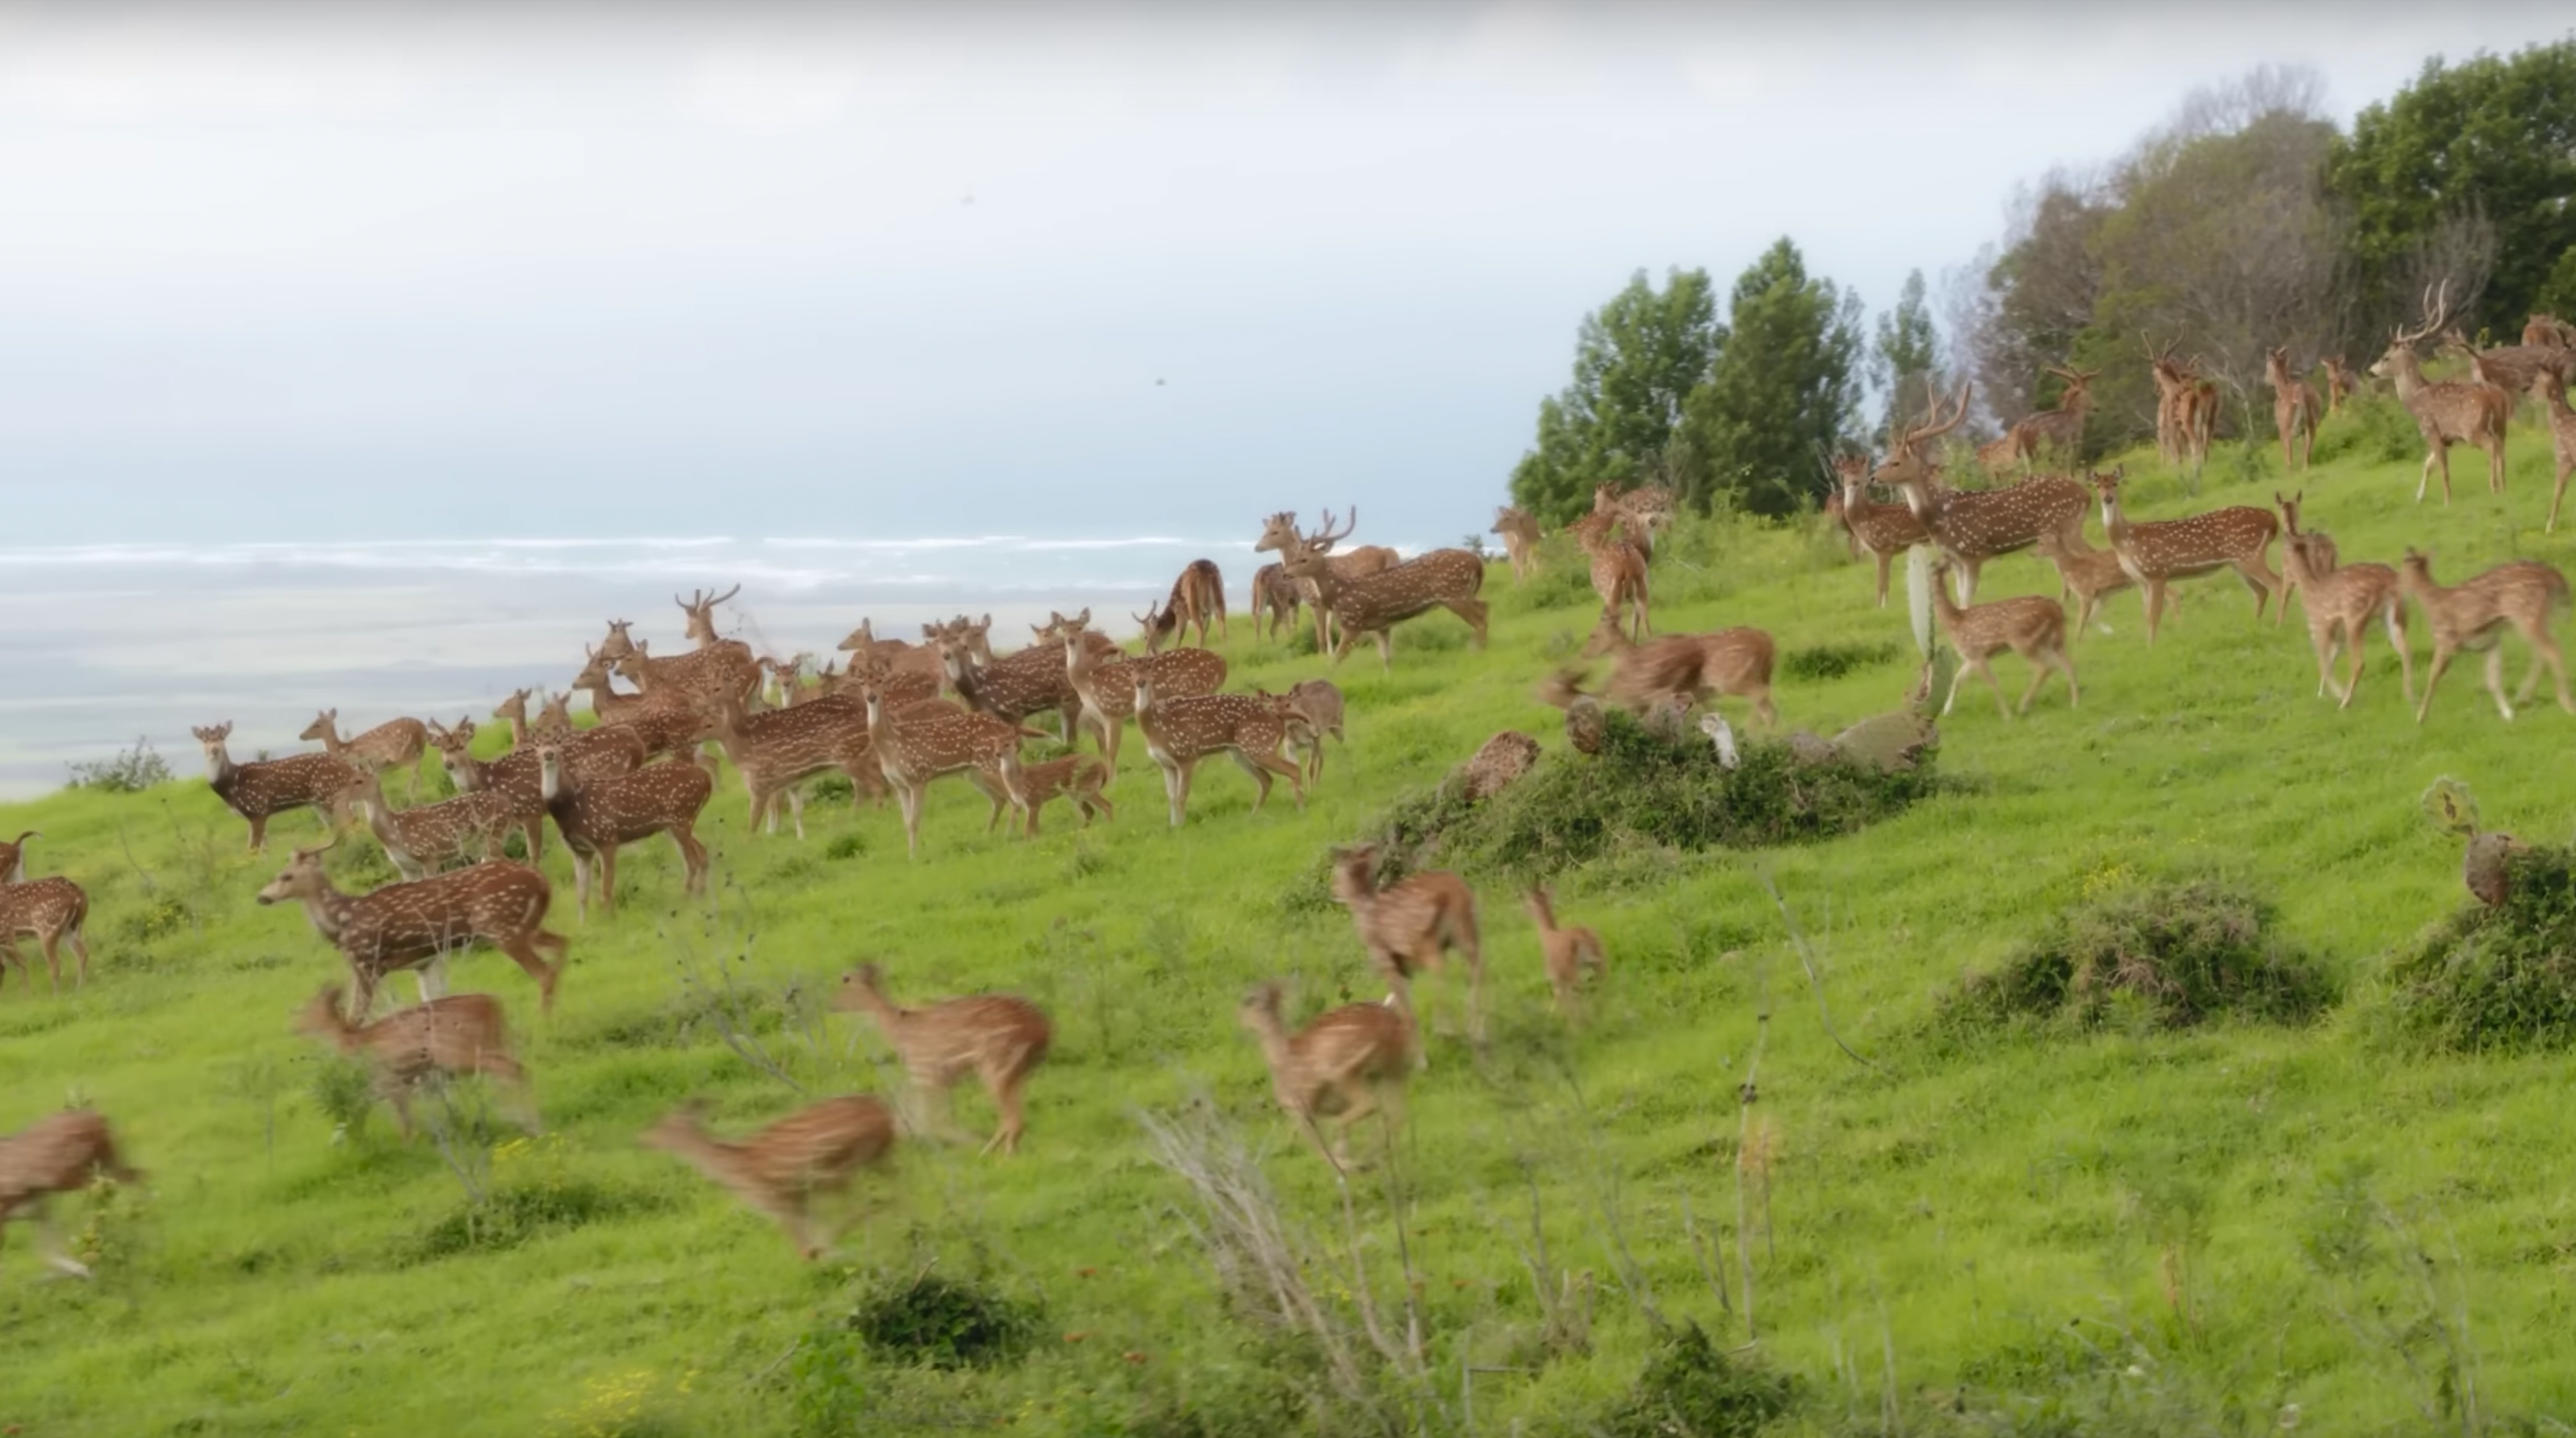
(2340, 604)
(59, 1153)
(1341, 1068)
(1882, 531)
(456, 1034)
(2294, 408)
(716, 667)
(1974, 526)
(50, 910)
(2030, 626)
(1181, 732)
(1104, 678)
(1412, 925)
(2449, 412)
(597, 817)
(998, 1038)
(431, 838)
(914, 748)
(1618, 564)
(1280, 533)
(259, 790)
(418, 924)
(2472, 615)
(1372, 605)
(2158, 552)
(783, 1168)
(1520, 535)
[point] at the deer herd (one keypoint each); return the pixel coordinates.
(897, 716)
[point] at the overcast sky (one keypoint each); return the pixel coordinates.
(363, 271)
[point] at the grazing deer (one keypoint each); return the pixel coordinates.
(59, 1153)
(2055, 431)
(1618, 566)
(394, 744)
(1313, 709)
(999, 1038)
(1882, 531)
(1341, 1067)
(2340, 383)
(1275, 600)
(779, 749)
(2340, 603)
(1077, 777)
(2030, 626)
(2089, 574)
(2472, 615)
(433, 837)
(599, 753)
(1409, 926)
(1104, 678)
(1374, 604)
(1520, 535)
(1280, 532)
(2447, 413)
(2562, 435)
(918, 747)
(272, 786)
(1571, 952)
(1733, 662)
(49, 910)
(417, 924)
(2158, 552)
(2294, 408)
(1196, 596)
(457, 1034)
(1974, 526)
(1180, 732)
(597, 817)
(779, 1170)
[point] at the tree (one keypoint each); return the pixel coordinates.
(1784, 389)
(1636, 361)
(1906, 356)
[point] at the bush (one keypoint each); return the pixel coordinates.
(344, 1091)
(852, 845)
(2186, 951)
(1690, 1390)
(937, 1322)
(1833, 661)
(2376, 431)
(514, 1213)
(130, 772)
(2498, 979)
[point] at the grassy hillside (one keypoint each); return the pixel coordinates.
(2023, 1229)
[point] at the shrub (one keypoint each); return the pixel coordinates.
(2376, 430)
(1689, 1389)
(2186, 951)
(344, 1091)
(2501, 978)
(851, 845)
(515, 1212)
(130, 772)
(1833, 661)
(938, 1322)
(830, 789)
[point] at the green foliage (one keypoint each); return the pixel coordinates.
(1832, 661)
(2377, 430)
(1785, 389)
(1636, 359)
(938, 1322)
(535, 1193)
(852, 845)
(131, 772)
(2182, 951)
(1690, 1390)
(1904, 357)
(2500, 979)
(344, 1092)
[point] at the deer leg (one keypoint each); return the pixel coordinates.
(1385, 650)
(1172, 788)
(1295, 776)
(693, 858)
(2441, 660)
(523, 952)
(80, 950)
(259, 833)
(2395, 614)
(908, 796)
(2155, 600)
(2321, 638)
(795, 811)
(2495, 463)
(581, 886)
(2259, 577)
(2495, 680)
(1986, 669)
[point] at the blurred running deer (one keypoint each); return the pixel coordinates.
(1572, 951)
(1181, 732)
(1341, 1068)
(2340, 604)
(1735, 663)
(597, 817)
(417, 925)
(2158, 552)
(272, 786)
(2446, 413)
(2030, 626)
(779, 1170)
(998, 1038)
(59, 1153)
(457, 1034)
(1411, 925)
(2472, 616)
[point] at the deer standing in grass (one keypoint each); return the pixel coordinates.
(257, 791)
(2186, 409)
(2446, 413)
(2030, 626)
(2321, 555)
(394, 744)
(590, 755)
(1572, 951)
(1341, 1068)
(457, 1034)
(2294, 409)
(1974, 526)
(779, 749)
(1017, 686)
(998, 1038)
(1411, 925)
(49, 910)
(433, 837)
(2562, 436)
(918, 747)
(1374, 604)
(1181, 732)
(1882, 531)
(1618, 566)
(1104, 678)
(2472, 615)
(597, 817)
(1280, 533)
(1641, 513)
(666, 725)
(2340, 604)
(2158, 552)
(1077, 778)
(715, 668)
(1197, 596)
(2089, 574)
(780, 1170)
(2058, 431)
(59, 1153)
(1520, 534)
(1275, 600)
(2515, 369)
(418, 924)
(2340, 383)
(1313, 709)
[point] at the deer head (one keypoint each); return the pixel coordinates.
(2400, 356)
(701, 609)
(302, 878)
(1909, 459)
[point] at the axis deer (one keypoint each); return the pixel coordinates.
(998, 1038)
(268, 787)
(50, 910)
(1313, 709)
(917, 748)
(594, 754)
(2056, 431)
(1411, 925)
(1833, 510)
(1374, 604)
(1180, 732)
(458, 1034)
(2549, 330)
(2321, 555)
(2562, 436)
(1642, 512)
(2515, 369)
(2089, 574)
(2340, 383)
(1571, 952)
(1618, 566)
(697, 679)
(1104, 680)
(1275, 600)
(513, 712)
(780, 1170)
(1015, 686)
(1076, 777)
(899, 657)
(1196, 596)
(1341, 1068)
(394, 744)
(2158, 552)
(554, 718)
(1733, 662)
(2447, 413)
(1974, 526)
(779, 749)
(13, 858)
(59, 1153)
(2340, 603)
(1882, 531)
(2030, 626)
(1280, 532)
(599, 816)
(1520, 534)
(2294, 408)
(2186, 408)
(665, 725)
(2472, 616)
(433, 837)
(419, 923)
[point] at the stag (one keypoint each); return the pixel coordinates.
(2446, 413)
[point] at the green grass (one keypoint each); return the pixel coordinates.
(2015, 1220)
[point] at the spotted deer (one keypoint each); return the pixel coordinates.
(50, 910)
(592, 754)
(2562, 436)
(1618, 566)
(1197, 596)
(2186, 408)
(779, 749)
(1078, 778)
(1520, 534)
(1313, 709)
(2515, 369)
(2449, 412)
(2472, 615)
(268, 787)
(899, 657)
(1974, 526)
(914, 749)
(1572, 952)
(1411, 925)
(420, 923)
(2321, 548)
(2340, 383)
(597, 817)
(1104, 680)
(2089, 574)
(780, 1170)
(512, 712)
(666, 726)
(1180, 732)
(1015, 686)
(697, 678)
(1280, 533)
(2030, 626)
(1275, 600)
(998, 1038)
(433, 837)
(1342, 1067)
(13, 858)
(2340, 603)
(394, 744)
(457, 1034)
(2158, 552)
(1642, 512)
(2058, 431)
(1374, 604)
(2294, 409)
(1733, 662)
(59, 1153)
(2549, 330)
(1882, 531)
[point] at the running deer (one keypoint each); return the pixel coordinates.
(2321, 547)
(394, 744)
(2562, 434)
(2089, 574)
(918, 747)
(779, 749)
(1280, 532)
(1520, 535)
(998, 1038)
(1180, 732)
(591, 754)
(59, 1153)
(1735, 663)
(458, 1034)
(2472, 616)
(1197, 596)
(433, 837)
(418, 924)
(2449, 412)
(2340, 603)
(513, 712)
(2294, 408)
(1882, 531)
(780, 1170)
(50, 910)
(1618, 566)
(1078, 778)
(1275, 600)
(1572, 952)
(1974, 526)
(267, 787)
(1411, 925)
(2030, 626)
(1340, 1068)
(2158, 552)
(1104, 680)
(598, 816)
(1374, 604)
(2056, 431)
(2340, 383)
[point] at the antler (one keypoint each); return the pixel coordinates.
(1933, 426)
(1330, 535)
(2437, 305)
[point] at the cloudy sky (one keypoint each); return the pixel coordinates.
(359, 271)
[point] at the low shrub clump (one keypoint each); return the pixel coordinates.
(131, 772)
(2184, 952)
(2502, 978)
(1833, 661)
(1689, 1389)
(937, 1322)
